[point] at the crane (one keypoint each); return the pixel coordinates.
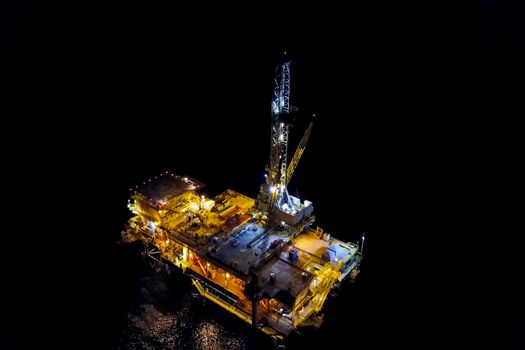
(299, 151)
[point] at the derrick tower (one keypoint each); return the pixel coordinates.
(273, 196)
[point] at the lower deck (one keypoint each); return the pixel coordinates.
(307, 278)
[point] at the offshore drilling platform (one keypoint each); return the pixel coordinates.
(260, 259)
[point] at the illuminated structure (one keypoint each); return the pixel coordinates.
(259, 259)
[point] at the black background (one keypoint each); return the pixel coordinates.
(419, 142)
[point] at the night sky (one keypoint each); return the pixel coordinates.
(419, 142)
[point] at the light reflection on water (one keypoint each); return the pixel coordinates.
(165, 313)
(184, 324)
(210, 336)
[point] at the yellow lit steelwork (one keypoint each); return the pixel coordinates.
(225, 246)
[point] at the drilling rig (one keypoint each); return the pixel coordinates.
(260, 260)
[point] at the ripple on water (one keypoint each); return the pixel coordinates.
(150, 325)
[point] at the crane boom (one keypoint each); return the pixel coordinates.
(298, 152)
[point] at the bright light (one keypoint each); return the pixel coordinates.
(275, 107)
(227, 275)
(265, 175)
(191, 255)
(208, 264)
(273, 189)
(167, 241)
(281, 137)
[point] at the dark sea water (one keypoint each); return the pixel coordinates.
(418, 143)
(171, 318)
(166, 313)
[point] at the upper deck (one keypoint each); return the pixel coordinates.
(162, 188)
